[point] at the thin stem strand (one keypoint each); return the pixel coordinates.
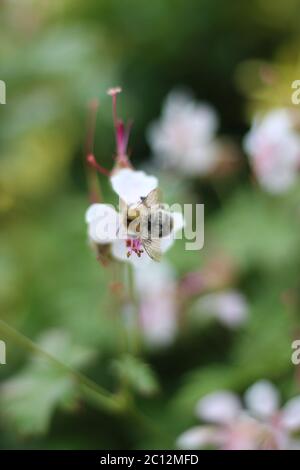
(105, 399)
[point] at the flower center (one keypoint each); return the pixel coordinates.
(134, 245)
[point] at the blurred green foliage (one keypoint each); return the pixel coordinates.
(55, 57)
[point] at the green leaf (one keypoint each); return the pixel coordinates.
(29, 399)
(138, 375)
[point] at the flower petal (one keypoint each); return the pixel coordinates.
(291, 414)
(93, 212)
(183, 137)
(247, 433)
(219, 407)
(229, 307)
(131, 185)
(103, 222)
(166, 243)
(119, 251)
(199, 437)
(262, 399)
(273, 147)
(178, 221)
(156, 289)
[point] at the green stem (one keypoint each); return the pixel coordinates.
(105, 399)
(96, 395)
(134, 330)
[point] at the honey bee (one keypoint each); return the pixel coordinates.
(150, 221)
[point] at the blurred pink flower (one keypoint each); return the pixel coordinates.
(218, 272)
(183, 138)
(273, 146)
(229, 307)
(156, 289)
(261, 425)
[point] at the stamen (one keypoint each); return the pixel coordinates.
(121, 131)
(113, 92)
(135, 246)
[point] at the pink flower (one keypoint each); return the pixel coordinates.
(229, 307)
(273, 146)
(258, 425)
(184, 137)
(156, 289)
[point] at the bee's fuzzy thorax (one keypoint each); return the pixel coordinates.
(132, 213)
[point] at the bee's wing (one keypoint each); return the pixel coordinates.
(153, 198)
(152, 248)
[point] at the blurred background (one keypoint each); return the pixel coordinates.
(227, 314)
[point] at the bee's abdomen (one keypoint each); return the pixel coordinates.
(158, 224)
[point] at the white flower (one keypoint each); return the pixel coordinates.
(261, 425)
(291, 414)
(199, 437)
(156, 289)
(273, 146)
(219, 407)
(229, 427)
(262, 399)
(230, 307)
(103, 222)
(183, 138)
(106, 226)
(131, 185)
